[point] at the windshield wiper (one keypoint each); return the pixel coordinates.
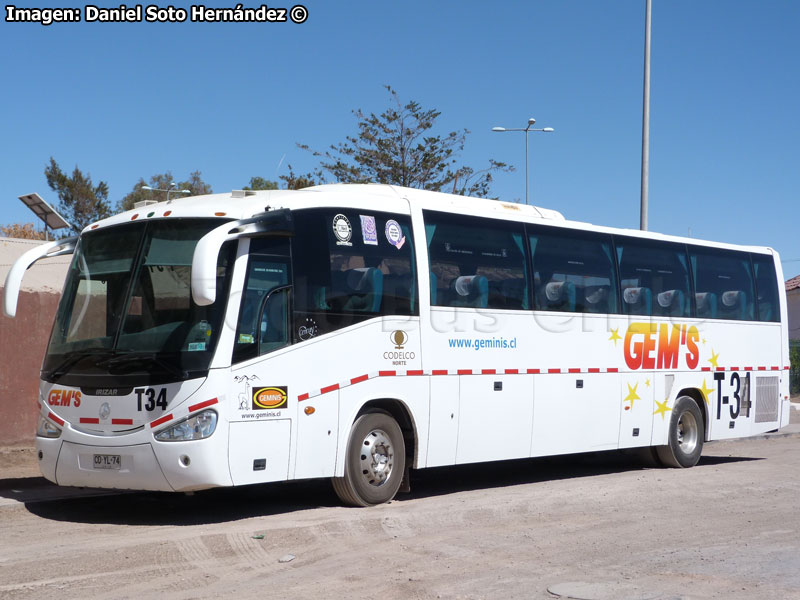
(133, 358)
(72, 358)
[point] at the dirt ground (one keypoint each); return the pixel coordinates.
(728, 528)
(16, 462)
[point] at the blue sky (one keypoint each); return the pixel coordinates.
(124, 101)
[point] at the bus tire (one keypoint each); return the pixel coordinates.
(374, 461)
(685, 435)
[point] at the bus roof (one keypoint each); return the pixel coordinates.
(243, 204)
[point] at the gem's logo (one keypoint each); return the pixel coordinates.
(399, 339)
(270, 398)
(661, 346)
(58, 397)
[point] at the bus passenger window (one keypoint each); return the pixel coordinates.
(723, 283)
(654, 277)
(766, 288)
(350, 266)
(477, 263)
(572, 271)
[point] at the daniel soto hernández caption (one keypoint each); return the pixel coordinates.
(153, 13)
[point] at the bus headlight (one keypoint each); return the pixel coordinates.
(196, 427)
(46, 428)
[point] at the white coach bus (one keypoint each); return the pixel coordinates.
(358, 331)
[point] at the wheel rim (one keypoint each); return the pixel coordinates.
(377, 458)
(688, 433)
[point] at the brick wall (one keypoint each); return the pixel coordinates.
(23, 341)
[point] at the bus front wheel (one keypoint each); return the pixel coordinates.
(374, 462)
(685, 435)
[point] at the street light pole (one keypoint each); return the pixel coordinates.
(531, 121)
(527, 130)
(644, 208)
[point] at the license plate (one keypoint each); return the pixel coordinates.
(107, 461)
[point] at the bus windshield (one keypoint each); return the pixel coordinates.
(126, 315)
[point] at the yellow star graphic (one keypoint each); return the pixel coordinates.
(647, 382)
(714, 358)
(632, 395)
(615, 336)
(662, 408)
(706, 391)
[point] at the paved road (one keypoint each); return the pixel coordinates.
(595, 524)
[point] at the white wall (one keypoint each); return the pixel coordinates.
(46, 275)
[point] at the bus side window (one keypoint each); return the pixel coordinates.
(264, 274)
(766, 288)
(273, 330)
(349, 267)
(477, 263)
(654, 277)
(572, 271)
(723, 283)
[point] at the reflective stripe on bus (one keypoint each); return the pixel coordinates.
(436, 372)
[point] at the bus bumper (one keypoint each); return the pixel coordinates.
(171, 466)
(117, 467)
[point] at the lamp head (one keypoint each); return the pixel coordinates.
(498, 128)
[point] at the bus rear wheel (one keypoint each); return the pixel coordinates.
(685, 435)
(374, 463)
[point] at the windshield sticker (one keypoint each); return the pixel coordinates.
(246, 338)
(394, 234)
(200, 334)
(270, 397)
(369, 231)
(342, 230)
(308, 329)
